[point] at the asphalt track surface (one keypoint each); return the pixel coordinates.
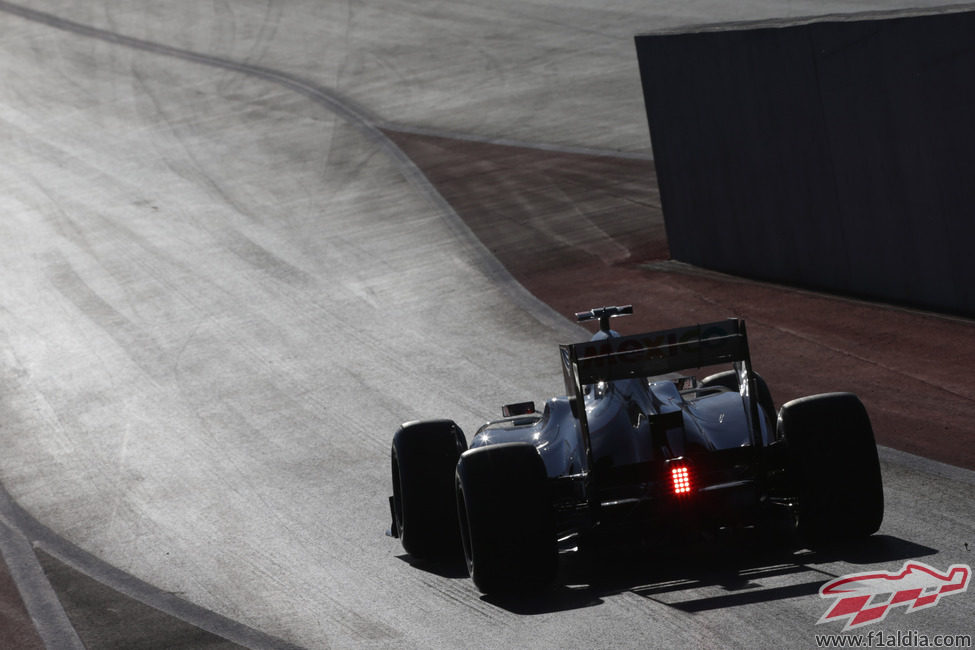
(232, 267)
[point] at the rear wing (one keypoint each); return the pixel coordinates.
(654, 354)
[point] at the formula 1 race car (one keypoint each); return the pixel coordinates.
(634, 451)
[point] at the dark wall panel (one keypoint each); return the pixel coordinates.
(836, 155)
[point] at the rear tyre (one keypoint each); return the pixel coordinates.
(424, 457)
(507, 525)
(833, 467)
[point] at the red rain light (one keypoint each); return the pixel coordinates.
(680, 475)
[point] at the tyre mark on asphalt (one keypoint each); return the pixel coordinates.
(360, 119)
(139, 346)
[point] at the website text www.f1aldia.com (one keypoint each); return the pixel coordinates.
(899, 639)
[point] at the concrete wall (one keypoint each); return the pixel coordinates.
(838, 155)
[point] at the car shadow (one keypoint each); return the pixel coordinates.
(705, 576)
(451, 568)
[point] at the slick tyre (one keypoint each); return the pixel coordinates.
(424, 458)
(833, 468)
(506, 519)
(729, 379)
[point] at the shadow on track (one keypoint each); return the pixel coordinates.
(452, 568)
(717, 574)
